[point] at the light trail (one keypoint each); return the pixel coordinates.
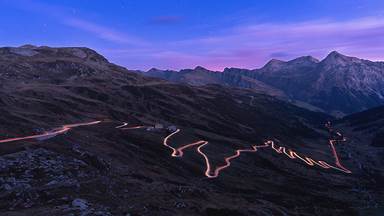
(213, 173)
(134, 127)
(336, 137)
(178, 152)
(332, 141)
(50, 134)
(121, 126)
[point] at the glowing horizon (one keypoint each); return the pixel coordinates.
(184, 34)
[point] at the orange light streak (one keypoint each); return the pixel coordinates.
(51, 133)
(213, 173)
(134, 127)
(121, 126)
(209, 171)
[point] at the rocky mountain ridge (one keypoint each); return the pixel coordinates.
(338, 84)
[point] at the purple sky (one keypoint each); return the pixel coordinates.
(178, 34)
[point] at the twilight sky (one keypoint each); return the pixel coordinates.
(175, 34)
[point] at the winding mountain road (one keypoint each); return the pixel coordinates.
(335, 137)
(213, 173)
(52, 133)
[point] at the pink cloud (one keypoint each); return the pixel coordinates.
(252, 45)
(248, 45)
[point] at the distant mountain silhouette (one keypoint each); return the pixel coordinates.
(338, 84)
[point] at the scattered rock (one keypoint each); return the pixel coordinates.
(80, 204)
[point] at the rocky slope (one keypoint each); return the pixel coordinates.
(369, 122)
(104, 169)
(338, 84)
(232, 77)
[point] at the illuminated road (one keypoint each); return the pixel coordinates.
(50, 134)
(125, 124)
(121, 126)
(134, 127)
(336, 137)
(213, 173)
(334, 140)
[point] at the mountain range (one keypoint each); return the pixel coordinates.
(338, 84)
(82, 136)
